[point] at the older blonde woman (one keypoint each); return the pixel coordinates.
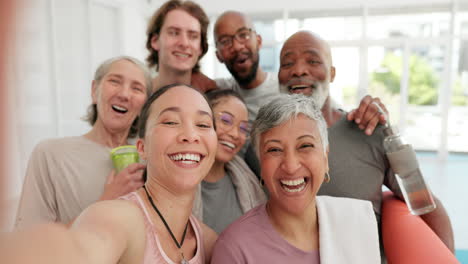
(296, 225)
(65, 175)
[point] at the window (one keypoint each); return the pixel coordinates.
(409, 25)
(385, 66)
(344, 88)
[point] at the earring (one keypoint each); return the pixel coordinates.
(262, 182)
(327, 177)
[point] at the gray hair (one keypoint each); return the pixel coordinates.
(101, 71)
(285, 107)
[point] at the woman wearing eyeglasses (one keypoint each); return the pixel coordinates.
(230, 189)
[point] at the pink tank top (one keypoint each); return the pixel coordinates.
(154, 253)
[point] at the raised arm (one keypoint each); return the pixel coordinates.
(106, 232)
(110, 232)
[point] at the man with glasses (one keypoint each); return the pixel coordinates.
(238, 46)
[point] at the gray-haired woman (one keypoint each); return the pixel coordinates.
(296, 225)
(65, 175)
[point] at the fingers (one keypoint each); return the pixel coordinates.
(370, 113)
(363, 105)
(351, 115)
(372, 124)
(132, 168)
(111, 177)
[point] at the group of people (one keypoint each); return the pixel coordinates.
(266, 161)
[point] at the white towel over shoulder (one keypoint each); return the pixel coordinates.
(348, 231)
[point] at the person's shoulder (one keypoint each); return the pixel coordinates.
(226, 83)
(209, 238)
(270, 85)
(350, 130)
(60, 143)
(114, 223)
(247, 224)
(53, 145)
(120, 212)
(346, 203)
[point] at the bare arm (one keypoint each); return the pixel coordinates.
(439, 222)
(106, 232)
(110, 232)
(42, 244)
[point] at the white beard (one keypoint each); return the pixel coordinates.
(319, 94)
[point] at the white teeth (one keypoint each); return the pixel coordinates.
(119, 108)
(294, 190)
(181, 54)
(295, 185)
(298, 86)
(228, 144)
(293, 182)
(186, 158)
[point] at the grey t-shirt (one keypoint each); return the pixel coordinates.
(220, 203)
(358, 165)
(255, 97)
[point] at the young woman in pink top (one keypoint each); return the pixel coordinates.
(154, 224)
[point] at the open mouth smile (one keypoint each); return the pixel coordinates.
(300, 87)
(294, 186)
(186, 158)
(228, 144)
(119, 109)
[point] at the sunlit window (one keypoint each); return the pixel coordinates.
(344, 88)
(335, 28)
(409, 25)
(407, 56)
(385, 67)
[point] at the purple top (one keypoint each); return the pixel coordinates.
(253, 239)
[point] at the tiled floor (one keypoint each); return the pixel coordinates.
(449, 181)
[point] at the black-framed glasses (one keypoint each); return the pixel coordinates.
(242, 35)
(228, 121)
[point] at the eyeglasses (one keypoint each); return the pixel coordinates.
(227, 122)
(242, 35)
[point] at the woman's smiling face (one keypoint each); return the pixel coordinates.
(180, 140)
(232, 127)
(293, 163)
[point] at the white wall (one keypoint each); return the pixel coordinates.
(58, 45)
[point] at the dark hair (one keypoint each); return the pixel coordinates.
(157, 21)
(215, 96)
(145, 111)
